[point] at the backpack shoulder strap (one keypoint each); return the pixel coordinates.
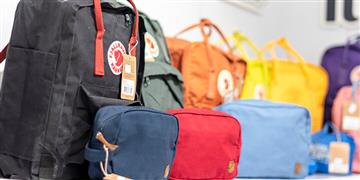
(3, 54)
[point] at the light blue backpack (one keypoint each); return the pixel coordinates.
(275, 138)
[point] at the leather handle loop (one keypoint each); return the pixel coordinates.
(100, 32)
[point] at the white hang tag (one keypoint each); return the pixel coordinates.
(351, 117)
(339, 158)
(128, 80)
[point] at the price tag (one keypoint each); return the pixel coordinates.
(351, 117)
(128, 80)
(339, 158)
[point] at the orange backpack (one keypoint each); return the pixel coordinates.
(211, 76)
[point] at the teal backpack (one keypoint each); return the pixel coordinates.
(162, 86)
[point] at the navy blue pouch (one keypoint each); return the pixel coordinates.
(132, 142)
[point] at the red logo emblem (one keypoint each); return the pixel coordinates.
(227, 85)
(225, 82)
(115, 57)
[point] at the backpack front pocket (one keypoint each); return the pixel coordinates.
(25, 99)
(162, 88)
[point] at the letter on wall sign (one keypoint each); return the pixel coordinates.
(348, 11)
(343, 12)
(330, 10)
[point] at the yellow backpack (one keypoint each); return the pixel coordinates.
(257, 76)
(296, 81)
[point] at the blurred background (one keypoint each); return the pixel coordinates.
(303, 22)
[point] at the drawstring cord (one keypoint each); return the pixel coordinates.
(104, 167)
(107, 147)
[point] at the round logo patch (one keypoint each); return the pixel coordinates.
(225, 83)
(298, 168)
(151, 47)
(115, 57)
(231, 167)
(259, 91)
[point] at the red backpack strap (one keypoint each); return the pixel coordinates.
(99, 49)
(3, 54)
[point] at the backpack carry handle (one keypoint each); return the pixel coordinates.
(197, 25)
(285, 45)
(351, 41)
(239, 38)
(328, 126)
(100, 31)
(207, 23)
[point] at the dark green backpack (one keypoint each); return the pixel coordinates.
(162, 88)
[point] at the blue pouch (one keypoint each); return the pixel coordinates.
(132, 142)
(275, 137)
(320, 147)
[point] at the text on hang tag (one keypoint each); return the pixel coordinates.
(128, 80)
(339, 158)
(351, 116)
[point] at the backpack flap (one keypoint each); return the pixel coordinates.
(162, 87)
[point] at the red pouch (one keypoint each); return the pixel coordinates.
(208, 146)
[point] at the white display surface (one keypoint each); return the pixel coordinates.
(321, 176)
(332, 177)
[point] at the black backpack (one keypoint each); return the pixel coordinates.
(53, 82)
